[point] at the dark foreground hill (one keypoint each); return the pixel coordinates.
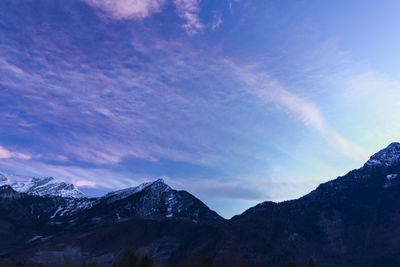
(353, 220)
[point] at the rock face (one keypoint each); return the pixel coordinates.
(6, 192)
(155, 200)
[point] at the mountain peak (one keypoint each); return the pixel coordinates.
(159, 181)
(124, 193)
(159, 185)
(45, 186)
(387, 156)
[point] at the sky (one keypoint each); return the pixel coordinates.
(235, 101)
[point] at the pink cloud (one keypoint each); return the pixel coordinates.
(6, 154)
(127, 9)
(189, 10)
(139, 9)
(85, 183)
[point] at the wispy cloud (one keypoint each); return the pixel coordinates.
(217, 21)
(272, 92)
(149, 113)
(87, 99)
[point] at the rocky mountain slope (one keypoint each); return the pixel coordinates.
(353, 220)
(154, 200)
(30, 220)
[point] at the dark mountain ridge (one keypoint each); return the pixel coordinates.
(350, 221)
(353, 220)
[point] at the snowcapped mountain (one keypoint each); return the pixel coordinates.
(152, 200)
(149, 200)
(124, 193)
(47, 186)
(386, 157)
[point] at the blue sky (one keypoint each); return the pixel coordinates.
(235, 101)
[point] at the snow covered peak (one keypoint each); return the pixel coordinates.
(46, 186)
(49, 186)
(158, 185)
(386, 157)
(124, 193)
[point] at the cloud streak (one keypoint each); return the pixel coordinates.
(272, 92)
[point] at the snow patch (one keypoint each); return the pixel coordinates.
(391, 176)
(35, 238)
(55, 213)
(389, 179)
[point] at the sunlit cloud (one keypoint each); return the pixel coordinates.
(6, 154)
(189, 10)
(127, 9)
(83, 183)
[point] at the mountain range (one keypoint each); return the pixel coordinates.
(353, 220)
(46, 186)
